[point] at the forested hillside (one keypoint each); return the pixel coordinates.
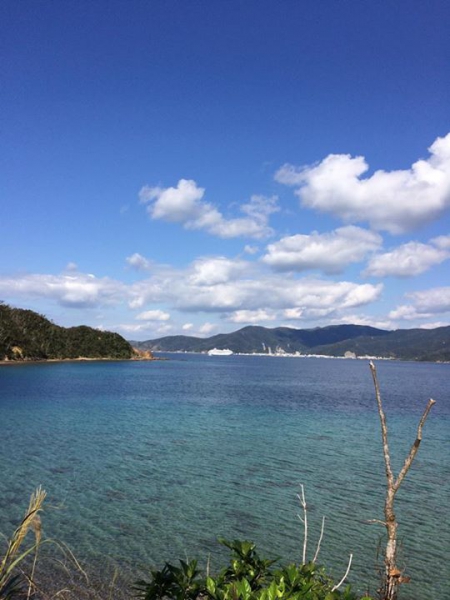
(27, 335)
(335, 340)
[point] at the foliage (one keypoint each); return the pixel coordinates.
(12, 578)
(27, 335)
(246, 577)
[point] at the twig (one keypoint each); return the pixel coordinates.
(304, 521)
(320, 540)
(384, 430)
(345, 575)
(414, 447)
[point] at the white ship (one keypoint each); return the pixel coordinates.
(219, 352)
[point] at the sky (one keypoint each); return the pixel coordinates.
(192, 167)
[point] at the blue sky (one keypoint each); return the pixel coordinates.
(197, 166)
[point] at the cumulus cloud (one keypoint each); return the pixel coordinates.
(148, 328)
(424, 304)
(212, 271)
(248, 249)
(409, 259)
(139, 262)
(329, 252)
(237, 290)
(201, 290)
(72, 289)
(153, 315)
(442, 242)
(184, 204)
(394, 201)
(252, 316)
(207, 328)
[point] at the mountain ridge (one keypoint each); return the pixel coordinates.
(333, 340)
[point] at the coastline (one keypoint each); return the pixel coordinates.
(80, 359)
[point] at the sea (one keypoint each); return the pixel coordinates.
(147, 462)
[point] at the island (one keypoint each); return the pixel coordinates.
(28, 336)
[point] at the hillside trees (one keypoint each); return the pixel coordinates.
(27, 335)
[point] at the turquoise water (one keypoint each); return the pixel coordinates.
(151, 461)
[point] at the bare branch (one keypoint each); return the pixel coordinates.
(345, 576)
(320, 540)
(304, 521)
(384, 430)
(414, 447)
(392, 577)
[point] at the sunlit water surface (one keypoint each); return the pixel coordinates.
(151, 461)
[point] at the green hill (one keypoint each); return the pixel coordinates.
(335, 340)
(27, 335)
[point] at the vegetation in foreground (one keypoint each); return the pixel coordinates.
(12, 578)
(246, 577)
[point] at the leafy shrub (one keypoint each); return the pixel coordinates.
(246, 577)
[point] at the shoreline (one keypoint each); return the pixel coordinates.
(80, 359)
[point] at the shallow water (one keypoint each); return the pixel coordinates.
(152, 461)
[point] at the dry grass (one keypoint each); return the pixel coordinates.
(60, 574)
(11, 573)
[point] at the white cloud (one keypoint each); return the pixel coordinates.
(425, 304)
(394, 201)
(207, 328)
(409, 259)
(329, 252)
(139, 262)
(184, 204)
(153, 315)
(434, 325)
(442, 242)
(212, 271)
(147, 328)
(187, 326)
(406, 312)
(248, 249)
(294, 313)
(179, 204)
(237, 287)
(77, 290)
(435, 300)
(252, 316)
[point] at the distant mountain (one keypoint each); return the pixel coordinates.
(335, 340)
(26, 335)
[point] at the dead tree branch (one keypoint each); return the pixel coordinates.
(345, 575)
(392, 576)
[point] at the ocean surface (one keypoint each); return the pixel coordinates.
(145, 462)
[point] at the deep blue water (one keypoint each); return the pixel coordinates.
(151, 461)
